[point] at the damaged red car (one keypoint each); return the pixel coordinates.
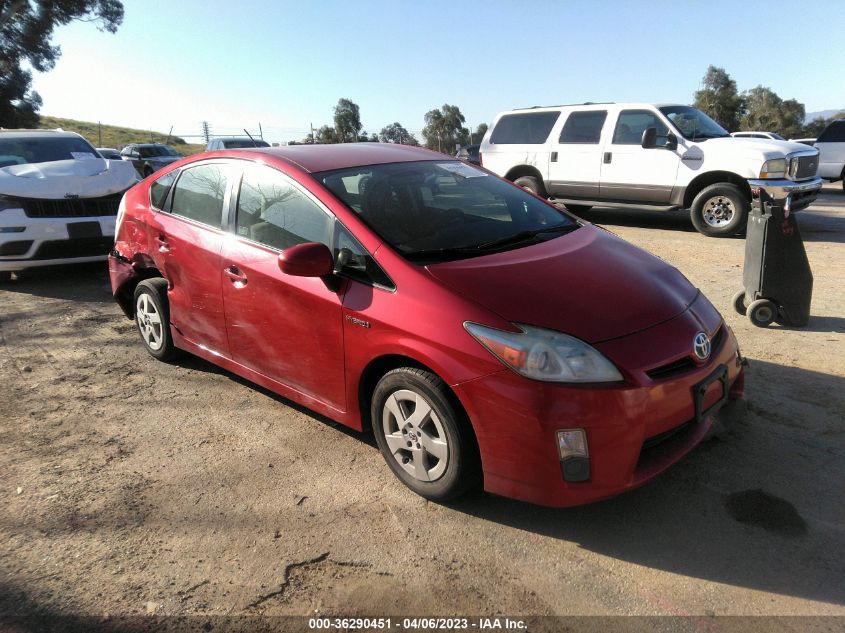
(486, 337)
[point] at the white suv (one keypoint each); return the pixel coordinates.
(648, 156)
(831, 146)
(58, 199)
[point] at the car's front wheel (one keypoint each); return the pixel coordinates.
(424, 438)
(532, 184)
(719, 210)
(152, 317)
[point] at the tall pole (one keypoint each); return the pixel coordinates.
(99, 134)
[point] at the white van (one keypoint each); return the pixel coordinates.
(647, 156)
(831, 146)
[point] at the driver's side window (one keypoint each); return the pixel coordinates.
(631, 125)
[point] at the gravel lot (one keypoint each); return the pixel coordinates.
(129, 486)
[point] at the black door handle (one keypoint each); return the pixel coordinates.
(607, 157)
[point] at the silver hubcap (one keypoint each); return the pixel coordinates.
(149, 322)
(415, 435)
(718, 211)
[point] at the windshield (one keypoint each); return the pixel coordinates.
(239, 143)
(18, 151)
(436, 211)
(693, 124)
(157, 150)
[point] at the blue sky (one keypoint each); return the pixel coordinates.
(285, 64)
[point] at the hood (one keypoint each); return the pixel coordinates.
(87, 178)
(589, 284)
(754, 146)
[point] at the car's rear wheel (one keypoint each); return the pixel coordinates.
(152, 317)
(532, 184)
(423, 436)
(719, 210)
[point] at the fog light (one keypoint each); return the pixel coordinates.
(574, 455)
(572, 443)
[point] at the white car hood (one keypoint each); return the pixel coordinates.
(749, 146)
(88, 178)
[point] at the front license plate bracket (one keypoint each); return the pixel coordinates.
(699, 391)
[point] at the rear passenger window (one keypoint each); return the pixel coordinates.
(631, 125)
(833, 133)
(583, 127)
(531, 128)
(200, 192)
(273, 212)
(159, 189)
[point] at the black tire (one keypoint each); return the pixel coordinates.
(578, 208)
(157, 340)
(762, 312)
(738, 303)
(719, 210)
(5, 276)
(532, 184)
(444, 423)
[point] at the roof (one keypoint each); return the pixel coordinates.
(314, 158)
(20, 133)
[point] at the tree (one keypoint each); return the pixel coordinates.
(444, 129)
(26, 27)
(396, 133)
(326, 134)
(767, 111)
(719, 99)
(479, 133)
(347, 121)
(814, 127)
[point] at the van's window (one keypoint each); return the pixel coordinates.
(200, 192)
(631, 125)
(273, 212)
(432, 211)
(530, 128)
(833, 133)
(159, 189)
(583, 127)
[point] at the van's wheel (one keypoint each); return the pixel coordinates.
(719, 210)
(738, 303)
(152, 317)
(762, 312)
(425, 438)
(5, 276)
(532, 184)
(578, 208)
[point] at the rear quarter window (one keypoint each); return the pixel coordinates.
(833, 133)
(531, 128)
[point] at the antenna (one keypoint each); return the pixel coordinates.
(254, 144)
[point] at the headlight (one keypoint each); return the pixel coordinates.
(545, 355)
(775, 168)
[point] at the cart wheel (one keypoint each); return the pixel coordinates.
(762, 312)
(739, 302)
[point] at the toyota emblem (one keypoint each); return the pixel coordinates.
(701, 346)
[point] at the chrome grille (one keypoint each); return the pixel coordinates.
(801, 167)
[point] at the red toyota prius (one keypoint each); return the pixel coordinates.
(485, 336)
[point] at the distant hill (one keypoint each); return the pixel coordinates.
(825, 114)
(114, 136)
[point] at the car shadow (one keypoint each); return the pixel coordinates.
(749, 508)
(87, 282)
(666, 220)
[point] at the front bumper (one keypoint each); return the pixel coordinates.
(32, 242)
(634, 431)
(800, 194)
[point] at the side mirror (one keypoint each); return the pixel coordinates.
(649, 140)
(307, 260)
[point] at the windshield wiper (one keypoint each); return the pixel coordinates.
(526, 235)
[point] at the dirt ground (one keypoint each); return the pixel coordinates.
(129, 486)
